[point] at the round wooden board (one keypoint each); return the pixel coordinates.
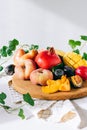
(25, 86)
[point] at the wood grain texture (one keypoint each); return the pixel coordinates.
(25, 86)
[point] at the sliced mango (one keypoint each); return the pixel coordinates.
(74, 60)
(53, 86)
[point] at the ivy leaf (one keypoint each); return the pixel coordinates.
(48, 48)
(77, 51)
(27, 98)
(6, 107)
(1, 68)
(2, 101)
(74, 43)
(83, 37)
(34, 47)
(21, 114)
(2, 97)
(78, 43)
(9, 52)
(84, 56)
(12, 44)
(3, 51)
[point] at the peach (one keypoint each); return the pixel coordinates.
(40, 76)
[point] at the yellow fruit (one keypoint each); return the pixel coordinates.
(53, 86)
(74, 60)
(60, 52)
(65, 86)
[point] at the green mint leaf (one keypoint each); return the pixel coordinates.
(76, 51)
(27, 98)
(1, 68)
(83, 37)
(84, 56)
(72, 43)
(35, 47)
(21, 114)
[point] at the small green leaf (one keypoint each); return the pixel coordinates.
(48, 48)
(3, 95)
(27, 98)
(9, 52)
(2, 101)
(84, 56)
(3, 51)
(12, 47)
(21, 113)
(12, 44)
(83, 37)
(77, 51)
(26, 51)
(6, 107)
(1, 68)
(78, 43)
(15, 41)
(34, 47)
(72, 43)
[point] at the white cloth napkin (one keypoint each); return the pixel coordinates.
(54, 111)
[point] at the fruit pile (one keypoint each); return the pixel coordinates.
(51, 69)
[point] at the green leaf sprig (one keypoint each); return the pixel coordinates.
(73, 44)
(8, 50)
(2, 101)
(26, 97)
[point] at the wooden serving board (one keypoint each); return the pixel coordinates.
(25, 86)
